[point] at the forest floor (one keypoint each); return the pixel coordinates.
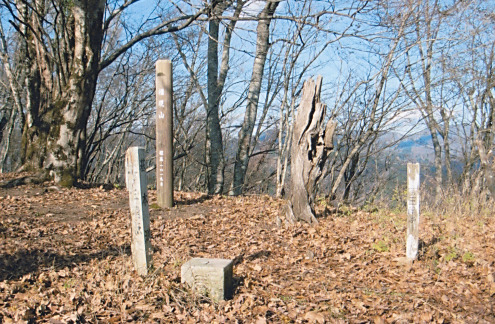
(65, 257)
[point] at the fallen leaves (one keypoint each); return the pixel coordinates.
(314, 317)
(65, 257)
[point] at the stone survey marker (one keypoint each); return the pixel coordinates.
(136, 182)
(212, 277)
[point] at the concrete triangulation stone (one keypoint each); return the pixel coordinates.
(211, 277)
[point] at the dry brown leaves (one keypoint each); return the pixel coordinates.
(65, 257)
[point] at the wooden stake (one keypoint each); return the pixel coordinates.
(136, 181)
(164, 134)
(412, 242)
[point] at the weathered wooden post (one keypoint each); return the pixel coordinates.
(412, 211)
(164, 134)
(136, 182)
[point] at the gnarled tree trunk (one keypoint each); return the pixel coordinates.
(60, 98)
(61, 53)
(311, 144)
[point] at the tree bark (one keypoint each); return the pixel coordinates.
(58, 108)
(7, 124)
(214, 143)
(246, 132)
(216, 80)
(61, 53)
(311, 145)
(349, 175)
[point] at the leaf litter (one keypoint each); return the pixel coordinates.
(65, 258)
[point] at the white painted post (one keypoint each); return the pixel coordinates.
(136, 182)
(164, 134)
(412, 211)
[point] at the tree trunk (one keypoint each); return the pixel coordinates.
(283, 145)
(215, 160)
(58, 108)
(311, 144)
(9, 119)
(349, 175)
(214, 143)
(7, 124)
(246, 132)
(60, 50)
(437, 149)
(426, 59)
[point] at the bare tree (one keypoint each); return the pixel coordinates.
(220, 30)
(216, 82)
(11, 111)
(368, 106)
(62, 51)
(122, 111)
(244, 146)
(422, 58)
(472, 71)
(306, 42)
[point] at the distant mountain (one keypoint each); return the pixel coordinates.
(414, 148)
(409, 144)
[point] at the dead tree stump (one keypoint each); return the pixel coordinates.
(312, 142)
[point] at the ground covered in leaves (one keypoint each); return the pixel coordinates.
(65, 257)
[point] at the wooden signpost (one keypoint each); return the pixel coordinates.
(412, 242)
(136, 182)
(164, 134)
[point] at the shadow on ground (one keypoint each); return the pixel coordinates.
(194, 201)
(23, 262)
